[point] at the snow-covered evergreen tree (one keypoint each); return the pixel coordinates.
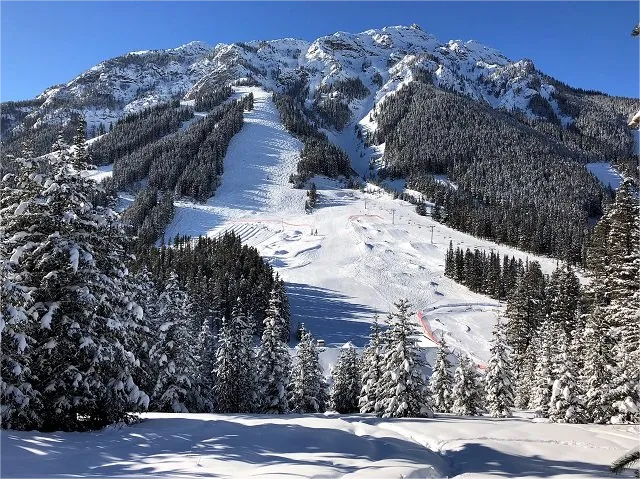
(308, 392)
(235, 389)
(566, 404)
(403, 391)
(18, 399)
(206, 363)
(499, 378)
(466, 391)
(543, 372)
(176, 388)
(596, 375)
(346, 381)
(625, 388)
(441, 381)
(274, 361)
(73, 258)
(371, 365)
(525, 312)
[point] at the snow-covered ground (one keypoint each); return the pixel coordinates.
(319, 446)
(99, 173)
(606, 173)
(369, 251)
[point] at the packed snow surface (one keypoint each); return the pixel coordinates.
(355, 255)
(606, 173)
(321, 446)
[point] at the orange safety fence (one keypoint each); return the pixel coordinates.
(427, 330)
(431, 336)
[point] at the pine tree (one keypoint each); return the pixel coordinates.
(274, 361)
(499, 378)
(562, 298)
(19, 400)
(371, 369)
(176, 387)
(308, 392)
(465, 392)
(346, 381)
(449, 262)
(235, 379)
(403, 391)
(566, 397)
(441, 382)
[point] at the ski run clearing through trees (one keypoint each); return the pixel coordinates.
(346, 446)
(369, 250)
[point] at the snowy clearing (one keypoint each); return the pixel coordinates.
(99, 173)
(606, 173)
(316, 445)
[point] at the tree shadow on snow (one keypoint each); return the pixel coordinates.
(329, 315)
(481, 459)
(186, 447)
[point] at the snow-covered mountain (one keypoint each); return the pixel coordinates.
(341, 79)
(381, 59)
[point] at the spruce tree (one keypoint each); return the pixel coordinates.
(566, 404)
(308, 391)
(596, 375)
(77, 281)
(465, 391)
(625, 388)
(176, 387)
(499, 378)
(543, 371)
(371, 369)
(274, 361)
(235, 379)
(525, 311)
(441, 382)
(346, 381)
(206, 363)
(403, 391)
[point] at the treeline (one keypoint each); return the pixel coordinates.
(219, 274)
(484, 273)
(575, 346)
(209, 99)
(189, 162)
(319, 156)
(139, 129)
(515, 185)
(149, 215)
(89, 336)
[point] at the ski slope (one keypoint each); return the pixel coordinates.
(369, 251)
(321, 446)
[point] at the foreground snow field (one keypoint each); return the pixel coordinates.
(353, 446)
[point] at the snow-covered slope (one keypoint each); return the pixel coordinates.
(322, 446)
(369, 251)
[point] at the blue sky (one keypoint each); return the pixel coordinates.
(585, 44)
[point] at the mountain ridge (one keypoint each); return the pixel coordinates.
(134, 81)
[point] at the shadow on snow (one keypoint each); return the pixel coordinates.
(329, 315)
